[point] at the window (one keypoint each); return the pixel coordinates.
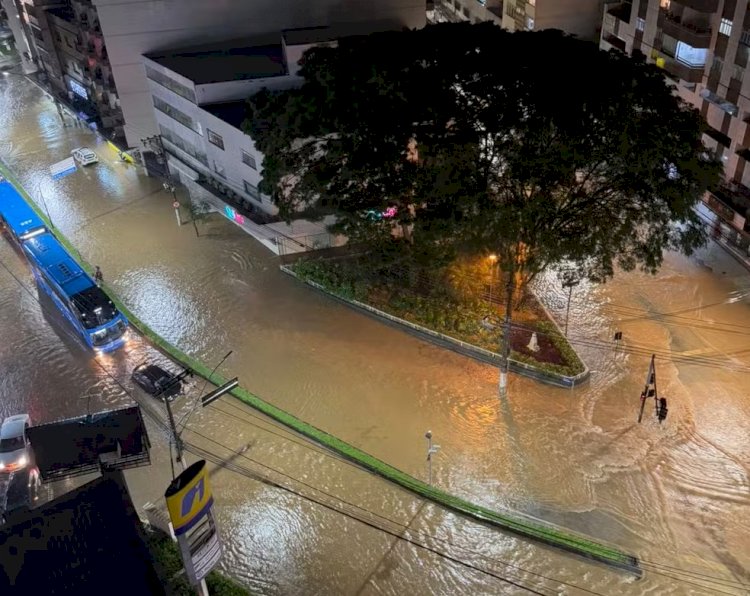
(177, 115)
(690, 55)
(180, 143)
(170, 84)
(717, 64)
(219, 169)
(248, 160)
(738, 72)
(215, 139)
(251, 190)
(725, 28)
(745, 38)
(529, 23)
(640, 24)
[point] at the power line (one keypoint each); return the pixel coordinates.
(255, 476)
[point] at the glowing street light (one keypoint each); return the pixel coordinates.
(492, 259)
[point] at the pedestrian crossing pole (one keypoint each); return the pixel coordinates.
(650, 389)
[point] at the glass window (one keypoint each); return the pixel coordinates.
(177, 115)
(251, 190)
(219, 169)
(11, 444)
(170, 84)
(248, 160)
(215, 139)
(640, 24)
(725, 28)
(690, 55)
(529, 23)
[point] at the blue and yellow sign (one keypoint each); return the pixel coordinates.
(189, 497)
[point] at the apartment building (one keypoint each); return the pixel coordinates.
(198, 96)
(577, 17)
(134, 28)
(67, 45)
(704, 48)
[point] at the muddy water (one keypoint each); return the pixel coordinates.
(676, 495)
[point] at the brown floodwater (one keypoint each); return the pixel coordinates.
(676, 494)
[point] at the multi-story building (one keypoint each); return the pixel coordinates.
(577, 17)
(68, 47)
(704, 48)
(198, 96)
(133, 28)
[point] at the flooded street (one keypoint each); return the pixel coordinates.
(676, 495)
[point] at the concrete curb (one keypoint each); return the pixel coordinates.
(445, 341)
(519, 524)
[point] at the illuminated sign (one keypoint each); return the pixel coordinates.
(233, 215)
(78, 89)
(189, 502)
(389, 213)
(189, 498)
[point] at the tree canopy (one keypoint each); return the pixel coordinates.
(535, 146)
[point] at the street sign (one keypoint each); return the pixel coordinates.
(219, 391)
(62, 168)
(176, 205)
(189, 503)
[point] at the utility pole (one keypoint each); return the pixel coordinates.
(650, 389)
(201, 588)
(505, 364)
(569, 280)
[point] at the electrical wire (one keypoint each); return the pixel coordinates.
(254, 475)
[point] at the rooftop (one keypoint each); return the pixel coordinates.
(233, 60)
(231, 112)
(309, 35)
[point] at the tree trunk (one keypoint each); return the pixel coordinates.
(505, 363)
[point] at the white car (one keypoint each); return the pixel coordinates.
(14, 443)
(84, 156)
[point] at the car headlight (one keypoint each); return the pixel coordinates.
(23, 460)
(2, 466)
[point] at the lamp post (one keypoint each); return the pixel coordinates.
(492, 259)
(569, 281)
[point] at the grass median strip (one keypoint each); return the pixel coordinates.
(536, 530)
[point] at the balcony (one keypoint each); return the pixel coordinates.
(692, 34)
(610, 41)
(620, 10)
(705, 6)
(680, 70)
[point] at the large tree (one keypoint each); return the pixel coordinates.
(537, 147)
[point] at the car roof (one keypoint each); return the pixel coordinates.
(13, 426)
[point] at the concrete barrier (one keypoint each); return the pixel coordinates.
(452, 343)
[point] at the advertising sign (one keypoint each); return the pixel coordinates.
(189, 502)
(189, 497)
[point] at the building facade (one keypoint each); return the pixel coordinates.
(134, 28)
(704, 48)
(67, 46)
(577, 17)
(198, 97)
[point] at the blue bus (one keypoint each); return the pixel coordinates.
(91, 312)
(20, 220)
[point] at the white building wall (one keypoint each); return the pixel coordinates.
(236, 90)
(133, 27)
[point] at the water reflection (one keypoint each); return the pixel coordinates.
(675, 493)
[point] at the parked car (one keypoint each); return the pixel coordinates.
(84, 156)
(156, 381)
(14, 443)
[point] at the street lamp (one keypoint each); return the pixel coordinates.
(492, 259)
(569, 281)
(431, 450)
